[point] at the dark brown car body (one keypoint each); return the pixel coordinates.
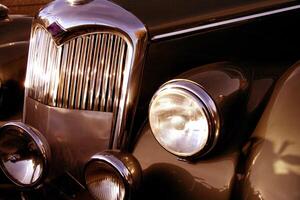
(242, 53)
(14, 43)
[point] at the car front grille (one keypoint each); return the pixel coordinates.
(86, 72)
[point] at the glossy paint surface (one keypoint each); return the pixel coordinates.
(166, 177)
(14, 42)
(273, 168)
(166, 16)
(15, 28)
(14, 46)
(221, 80)
(213, 175)
(250, 47)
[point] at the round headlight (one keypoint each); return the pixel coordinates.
(112, 175)
(104, 182)
(184, 119)
(24, 154)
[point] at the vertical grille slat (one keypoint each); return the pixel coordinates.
(68, 75)
(99, 72)
(119, 75)
(94, 72)
(85, 72)
(113, 75)
(81, 67)
(62, 76)
(106, 73)
(74, 72)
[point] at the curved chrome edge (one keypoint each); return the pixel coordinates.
(41, 143)
(122, 163)
(3, 12)
(78, 2)
(93, 13)
(62, 39)
(211, 111)
(223, 23)
(11, 44)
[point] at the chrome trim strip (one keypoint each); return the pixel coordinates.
(222, 23)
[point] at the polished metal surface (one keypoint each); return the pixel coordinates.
(25, 154)
(78, 2)
(96, 52)
(73, 135)
(223, 23)
(83, 73)
(125, 165)
(212, 113)
(104, 182)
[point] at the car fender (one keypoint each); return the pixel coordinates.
(272, 170)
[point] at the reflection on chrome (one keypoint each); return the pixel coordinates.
(23, 154)
(107, 188)
(26, 171)
(88, 72)
(179, 121)
(104, 182)
(83, 73)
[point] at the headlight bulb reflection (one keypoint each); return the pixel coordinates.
(24, 154)
(184, 119)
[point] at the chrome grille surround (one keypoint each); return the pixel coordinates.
(88, 72)
(102, 16)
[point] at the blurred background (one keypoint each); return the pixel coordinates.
(24, 7)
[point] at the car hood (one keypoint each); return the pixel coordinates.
(165, 16)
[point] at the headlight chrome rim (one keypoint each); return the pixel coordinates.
(210, 109)
(123, 165)
(42, 145)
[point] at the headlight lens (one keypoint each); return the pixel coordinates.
(113, 175)
(23, 156)
(182, 118)
(104, 183)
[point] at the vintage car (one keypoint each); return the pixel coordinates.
(172, 99)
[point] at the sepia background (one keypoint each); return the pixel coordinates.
(27, 7)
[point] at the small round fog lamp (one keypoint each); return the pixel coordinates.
(24, 154)
(112, 175)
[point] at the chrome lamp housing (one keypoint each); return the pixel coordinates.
(113, 175)
(184, 119)
(24, 154)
